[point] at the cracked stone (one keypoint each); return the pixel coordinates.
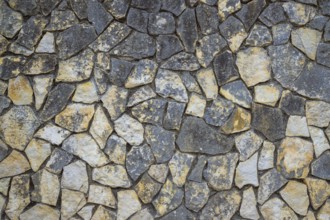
(224, 67)
(61, 20)
(319, 166)
(11, 66)
(228, 7)
(150, 111)
(158, 172)
(114, 100)
(167, 45)
(47, 6)
(275, 208)
(101, 195)
(58, 160)
(207, 18)
(116, 149)
(46, 44)
(37, 152)
(118, 8)
(179, 167)
(41, 87)
(196, 195)
(218, 113)
(281, 33)
(147, 188)
(266, 158)
(130, 129)
(318, 190)
(259, 36)
(319, 139)
(41, 211)
(143, 73)
(75, 177)
(238, 93)
(297, 126)
(112, 175)
(11, 21)
(298, 13)
(20, 90)
(196, 174)
(174, 6)
(98, 15)
(187, 29)
(239, 120)
(161, 23)
(267, 94)
(247, 144)
(273, 14)
(173, 116)
(14, 164)
(141, 94)
(247, 173)
(249, 205)
(128, 204)
(71, 203)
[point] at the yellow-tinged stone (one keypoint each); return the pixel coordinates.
(196, 105)
(275, 209)
(180, 165)
(310, 216)
(20, 90)
(240, 120)
(71, 203)
(207, 81)
(227, 7)
(86, 92)
(267, 94)
(37, 152)
(324, 213)
(14, 164)
(128, 204)
(318, 190)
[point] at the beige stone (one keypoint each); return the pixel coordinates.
(240, 120)
(159, 172)
(130, 129)
(72, 202)
(15, 163)
(266, 158)
(196, 105)
(318, 190)
(319, 139)
(314, 116)
(86, 92)
(324, 213)
(297, 126)
(112, 175)
(275, 209)
(267, 94)
(101, 195)
(114, 100)
(249, 205)
(128, 204)
(207, 81)
(180, 165)
(41, 211)
(41, 87)
(37, 152)
(20, 90)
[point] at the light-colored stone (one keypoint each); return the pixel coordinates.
(74, 177)
(319, 139)
(4, 185)
(86, 92)
(196, 105)
(46, 44)
(180, 165)
(116, 149)
(143, 73)
(103, 213)
(41, 87)
(143, 214)
(324, 212)
(53, 134)
(227, 7)
(112, 175)
(20, 91)
(247, 173)
(208, 82)
(237, 92)
(318, 190)
(129, 129)
(249, 205)
(298, 13)
(128, 204)
(266, 158)
(71, 203)
(240, 120)
(101, 195)
(267, 94)
(310, 216)
(141, 94)
(254, 65)
(314, 116)
(159, 172)
(297, 126)
(15, 163)
(86, 212)
(41, 211)
(37, 152)
(114, 100)
(275, 209)
(247, 143)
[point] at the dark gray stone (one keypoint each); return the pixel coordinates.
(320, 166)
(150, 111)
(208, 20)
(74, 39)
(173, 117)
(187, 29)
(56, 100)
(4, 150)
(259, 36)
(190, 83)
(180, 213)
(59, 159)
(273, 14)
(224, 67)
(196, 174)
(292, 104)
(47, 6)
(196, 136)
(138, 19)
(271, 122)
(323, 54)
(138, 160)
(162, 142)
(10, 21)
(149, 5)
(4, 103)
(324, 6)
(218, 113)
(61, 20)
(326, 34)
(27, 7)
(161, 23)
(118, 8)
(147, 188)
(250, 12)
(120, 69)
(313, 82)
(11, 66)
(79, 7)
(45, 63)
(137, 45)
(281, 33)
(310, 2)
(97, 15)
(318, 22)
(240, 93)
(174, 6)
(182, 61)
(167, 45)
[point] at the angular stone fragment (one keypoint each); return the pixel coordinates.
(275, 208)
(196, 174)
(196, 195)
(266, 158)
(141, 94)
(72, 40)
(322, 55)
(319, 139)
(240, 120)
(180, 213)
(75, 177)
(148, 5)
(318, 22)
(147, 188)
(46, 44)
(182, 61)
(18, 49)
(116, 149)
(324, 212)
(128, 204)
(71, 203)
(41, 87)
(113, 35)
(196, 105)
(316, 117)
(234, 32)
(267, 94)
(129, 129)
(158, 172)
(41, 211)
(61, 20)
(167, 45)
(4, 103)
(219, 172)
(224, 67)
(14, 164)
(103, 213)
(174, 6)
(137, 45)
(20, 90)
(294, 157)
(112, 175)
(4, 150)
(222, 205)
(150, 111)
(117, 8)
(247, 143)
(101, 195)
(320, 166)
(207, 81)
(187, 29)
(318, 190)
(52, 134)
(58, 160)
(292, 104)
(19, 196)
(190, 83)
(161, 23)
(10, 22)
(270, 182)
(37, 152)
(259, 36)
(11, 66)
(250, 12)
(273, 14)
(138, 19)
(297, 126)
(281, 33)
(87, 211)
(173, 117)
(207, 19)
(179, 167)
(249, 205)
(98, 15)
(327, 32)
(247, 173)
(40, 63)
(143, 73)
(28, 7)
(218, 113)
(86, 92)
(298, 13)
(227, 7)
(114, 100)
(168, 199)
(120, 69)
(3, 44)
(142, 214)
(238, 93)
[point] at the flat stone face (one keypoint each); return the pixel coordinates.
(167, 45)
(196, 194)
(248, 207)
(318, 190)
(61, 20)
(277, 208)
(182, 61)
(98, 15)
(11, 66)
(273, 14)
(147, 188)
(129, 129)
(187, 29)
(227, 7)
(319, 166)
(14, 164)
(20, 91)
(298, 13)
(238, 93)
(179, 167)
(150, 111)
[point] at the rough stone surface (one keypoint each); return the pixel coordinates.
(319, 166)
(275, 208)
(129, 129)
(112, 175)
(238, 93)
(246, 172)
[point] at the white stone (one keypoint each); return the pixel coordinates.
(297, 126)
(130, 129)
(249, 205)
(128, 204)
(319, 139)
(207, 81)
(196, 105)
(46, 44)
(247, 173)
(101, 195)
(41, 87)
(52, 133)
(266, 158)
(37, 152)
(75, 177)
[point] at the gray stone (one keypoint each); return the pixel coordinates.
(266, 158)
(159, 172)
(238, 93)
(325, 7)
(129, 129)
(61, 20)
(47, 6)
(29, 7)
(281, 33)
(298, 13)
(247, 172)
(162, 142)
(161, 23)
(316, 117)
(190, 83)
(196, 174)
(98, 15)
(224, 67)
(52, 133)
(207, 18)
(75, 177)
(182, 61)
(147, 188)
(173, 116)
(4, 103)
(250, 12)
(320, 166)
(196, 195)
(249, 205)
(318, 22)
(259, 36)
(292, 104)
(180, 213)
(58, 160)
(167, 45)
(323, 54)
(149, 5)
(187, 29)
(219, 111)
(120, 69)
(118, 8)
(3, 44)
(141, 94)
(79, 7)
(150, 111)
(276, 207)
(227, 7)
(273, 14)
(138, 19)
(40, 63)
(326, 34)
(247, 144)
(143, 73)
(114, 100)
(4, 150)
(10, 22)
(180, 165)
(239, 120)
(174, 6)
(116, 149)
(11, 66)
(112, 175)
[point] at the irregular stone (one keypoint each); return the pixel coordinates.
(179, 167)
(196, 174)
(224, 67)
(87, 211)
(112, 175)
(120, 69)
(275, 208)
(114, 100)
(162, 142)
(297, 126)
(41, 87)
(25, 7)
(238, 93)
(138, 160)
(101, 195)
(309, 216)
(319, 139)
(318, 191)
(37, 152)
(74, 39)
(18, 49)
(3, 44)
(11, 21)
(46, 44)
(112, 36)
(137, 45)
(83, 145)
(218, 113)
(250, 12)
(196, 105)
(101, 80)
(306, 40)
(150, 111)
(11, 66)
(173, 116)
(167, 45)
(316, 117)
(247, 173)
(182, 61)
(158, 172)
(322, 54)
(19, 196)
(20, 90)
(47, 6)
(161, 23)
(253, 65)
(234, 32)
(298, 13)
(180, 213)
(270, 182)
(103, 213)
(61, 20)
(249, 205)
(142, 214)
(269, 121)
(116, 149)
(14, 164)
(4, 150)
(196, 195)
(190, 82)
(324, 212)
(75, 177)
(147, 188)
(52, 134)
(187, 29)
(318, 22)
(259, 36)
(46, 187)
(143, 73)
(40, 63)
(207, 19)
(326, 35)
(228, 7)
(219, 172)
(98, 15)
(117, 8)
(128, 204)
(141, 94)
(239, 120)
(295, 195)
(149, 5)
(320, 166)
(58, 160)
(174, 6)
(71, 203)
(324, 5)
(281, 33)
(56, 100)
(273, 14)
(247, 144)
(86, 92)
(168, 199)
(267, 94)
(129, 129)
(4, 103)
(207, 81)
(169, 84)
(266, 158)
(138, 19)
(223, 205)
(41, 211)
(292, 104)
(77, 68)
